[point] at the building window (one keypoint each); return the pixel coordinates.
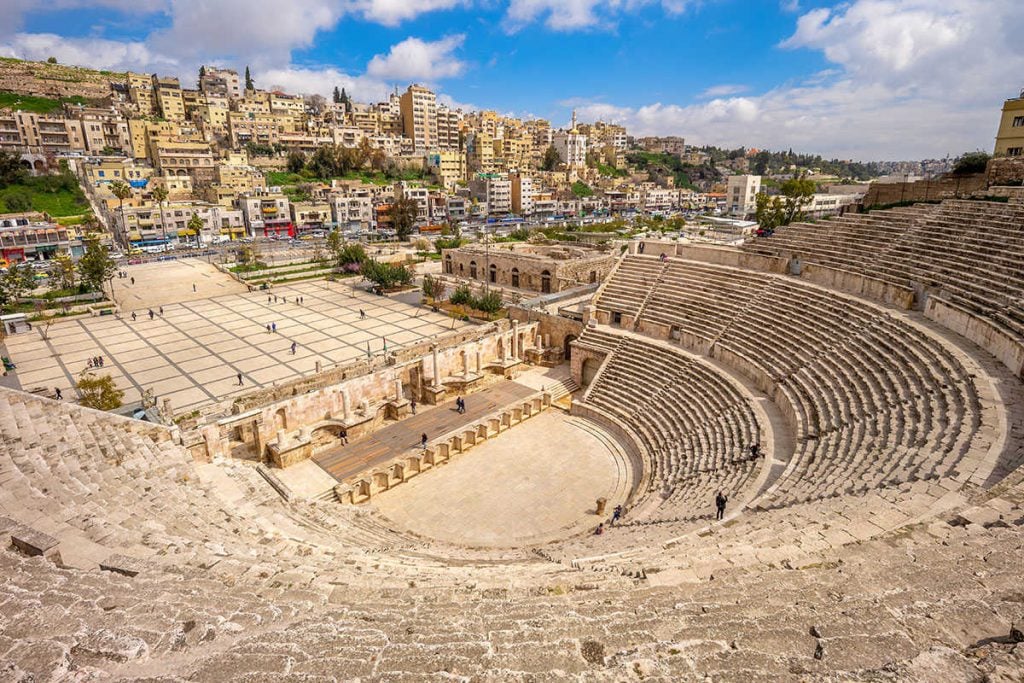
(515, 277)
(1018, 121)
(493, 276)
(472, 269)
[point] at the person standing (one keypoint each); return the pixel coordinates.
(193, 287)
(720, 501)
(412, 405)
(273, 327)
(239, 379)
(423, 440)
(293, 348)
(56, 393)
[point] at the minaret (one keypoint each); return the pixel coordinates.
(573, 129)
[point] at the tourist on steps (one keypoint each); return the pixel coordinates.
(720, 501)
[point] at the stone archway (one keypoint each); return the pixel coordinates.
(589, 371)
(545, 282)
(280, 419)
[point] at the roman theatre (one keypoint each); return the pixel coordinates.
(852, 386)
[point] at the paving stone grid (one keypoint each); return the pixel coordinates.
(192, 353)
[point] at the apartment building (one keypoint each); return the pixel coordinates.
(663, 145)
(522, 195)
(420, 195)
(418, 107)
(266, 214)
(183, 157)
(1010, 138)
(106, 171)
(104, 130)
(169, 100)
(352, 210)
(223, 82)
(28, 237)
(310, 216)
(741, 194)
(493, 192)
(449, 126)
(24, 131)
(448, 167)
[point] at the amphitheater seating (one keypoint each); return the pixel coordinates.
(969, 253)
(694, 425)
(874, 401)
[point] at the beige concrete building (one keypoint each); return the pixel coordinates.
(419, 117)
(741, 194)
(1010, 138)
(221, 82)
(169, 100)
(449, 167)
(543, 269)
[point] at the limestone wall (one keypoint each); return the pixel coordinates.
(553, 328)
(880, 194)
(563, 273)
(982, 332)
(1005, 171)
(861, 285)
(722, 256)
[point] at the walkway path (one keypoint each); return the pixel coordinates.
(391, 441)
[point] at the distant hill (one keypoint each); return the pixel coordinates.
(55, 81)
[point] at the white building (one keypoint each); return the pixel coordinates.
(741, 194)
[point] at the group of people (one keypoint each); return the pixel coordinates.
(94, 362)
(617, 513)
(122, 275)
(460, 405)
(272, 298)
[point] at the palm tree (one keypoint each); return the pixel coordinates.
(160, 195)
(196, 223)
(122, 191)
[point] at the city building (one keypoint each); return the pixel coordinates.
(220, 82)
(741, 194)
(418, 107)
(1010, 138)
(30, 237)
(543, 269)
(266, 213)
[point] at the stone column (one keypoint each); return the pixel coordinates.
(479, 359)
(465, 362)
(280, 438)
(437, 367)
(515, 339)
(346, 405)
(398, 389)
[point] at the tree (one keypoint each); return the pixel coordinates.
(551, 159)
(250, 85)
(296, 162)
(11, 170)
(51, 60)
(202, 75)
(317, 104)
(387, 275)
(195, 224)
(95, 267)
(774, 211)
(346, 100)
(433, 287)
(18, 280)
(160, 195)
(403, 212)
(63, 272)
(99, 392)
(122, 191)
(249, 255)
(971, 162)
(337, 95)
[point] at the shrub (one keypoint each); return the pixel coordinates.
(461, 296)
(488, 303)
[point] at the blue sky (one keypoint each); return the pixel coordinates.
(867, 79)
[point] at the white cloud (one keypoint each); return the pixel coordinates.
(393, 12)
(417, 60)
(914, 79)
(724, 90)
(97, 53)
(322, 81)
(569, 15)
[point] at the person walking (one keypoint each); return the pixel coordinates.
(617, 514)
(273, 327)
(269, 298)
(56, 393)
(412, 406)
(239, 375)
(133, 281)
(293, 348)
(151, 314)
(423, 440)
(268, 328)
(133, 316)
(100, 360)
(161, 311)
(720, 501)
(362, 314)
(193, 287)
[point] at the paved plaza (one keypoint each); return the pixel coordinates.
(193, 352)
(167, 282)
(532, 484)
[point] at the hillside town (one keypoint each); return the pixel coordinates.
(167, 166)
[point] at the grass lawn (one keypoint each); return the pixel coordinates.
(39, 105)
(56, 195)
